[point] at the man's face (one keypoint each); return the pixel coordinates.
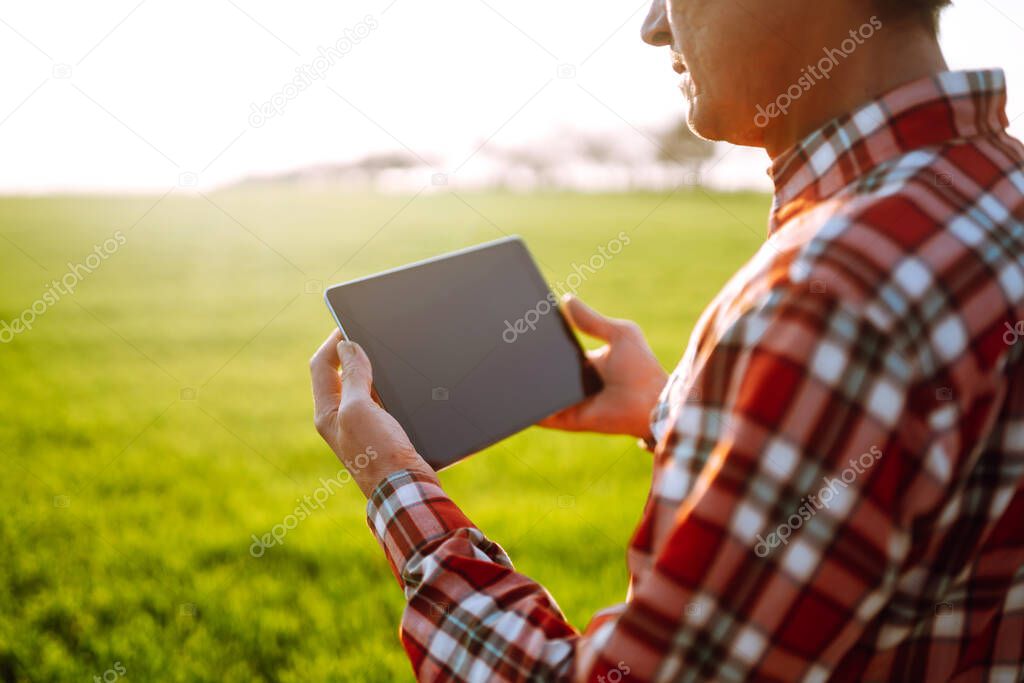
(734, 55)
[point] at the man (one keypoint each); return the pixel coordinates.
(839, 457)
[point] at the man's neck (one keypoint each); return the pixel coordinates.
(895, 55)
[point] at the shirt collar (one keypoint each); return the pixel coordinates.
(923, 113)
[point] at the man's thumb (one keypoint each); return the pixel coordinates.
(356, 373)
(587, 320)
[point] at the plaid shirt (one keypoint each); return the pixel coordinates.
(838, 487)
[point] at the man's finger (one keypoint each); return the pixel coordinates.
(587, 320)
(356, 373)
(323, 368)
(564, 420)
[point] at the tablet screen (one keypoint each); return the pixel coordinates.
(467, 348)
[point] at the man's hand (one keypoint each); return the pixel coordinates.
(632, 376)
(370, 443)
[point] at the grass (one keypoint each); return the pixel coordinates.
(128, 505)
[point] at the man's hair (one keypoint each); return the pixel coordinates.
(926, 11)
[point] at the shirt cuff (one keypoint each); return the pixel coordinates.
(407, 512)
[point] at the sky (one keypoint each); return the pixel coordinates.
(145, 96)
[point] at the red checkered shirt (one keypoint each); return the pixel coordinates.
(837, 489)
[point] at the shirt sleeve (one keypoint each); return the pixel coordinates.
(778, 519)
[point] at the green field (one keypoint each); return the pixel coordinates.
(154, 420)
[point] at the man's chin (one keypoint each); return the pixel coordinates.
(711, 123)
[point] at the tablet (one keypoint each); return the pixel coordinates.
(467, 348)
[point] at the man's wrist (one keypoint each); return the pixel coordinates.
(644, 432)
(369, 478)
